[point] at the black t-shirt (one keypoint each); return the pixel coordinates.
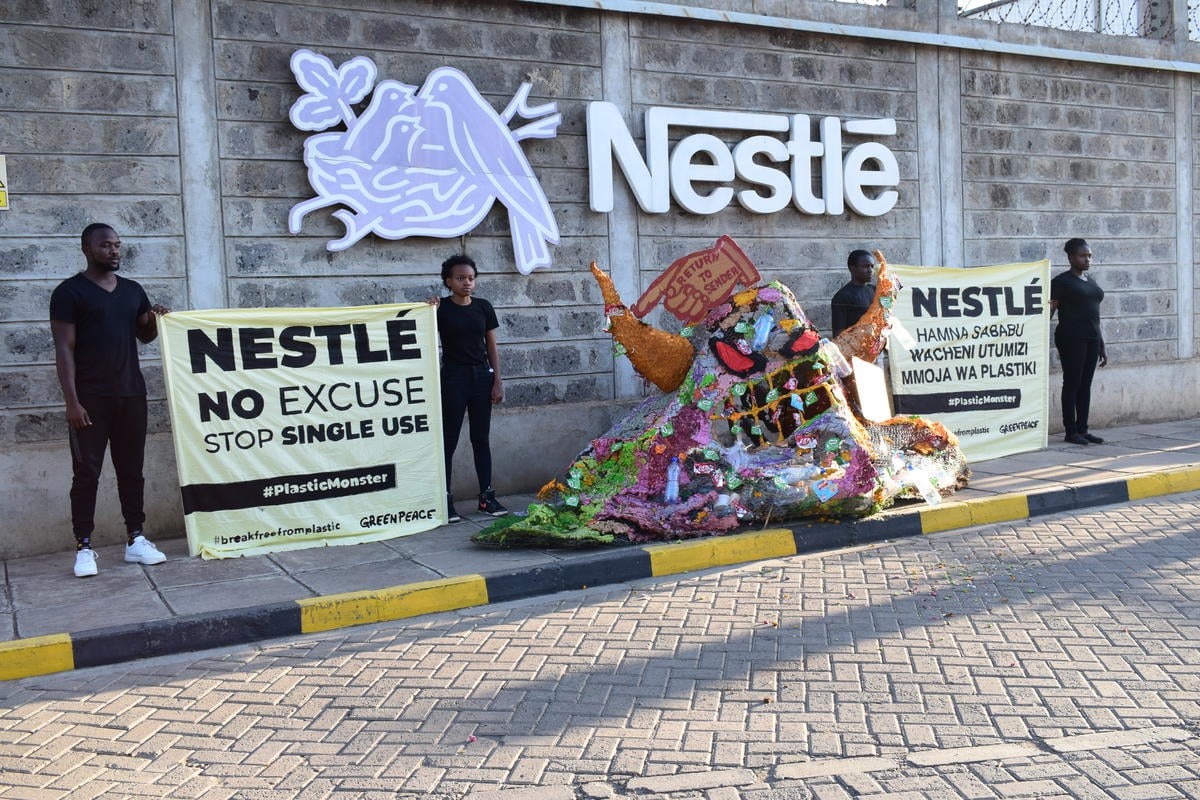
(849, 304)
(463, 330)
(1078, 306)
(106, 357)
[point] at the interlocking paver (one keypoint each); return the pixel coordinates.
(684, 781)
(1043, 659)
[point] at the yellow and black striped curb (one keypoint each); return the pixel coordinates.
(41, 655)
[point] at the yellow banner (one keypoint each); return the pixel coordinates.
(972, 352)
(302, 427)
(3, 184)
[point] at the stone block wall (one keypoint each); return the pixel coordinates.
(1195, 128)
(686, 63)
(1002, 157)
(1077, 150)
(88, 122)
(553, 348)
(90, 130)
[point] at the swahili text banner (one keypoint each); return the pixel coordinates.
(975, 357)
(300, 427)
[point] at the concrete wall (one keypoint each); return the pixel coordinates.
(168, 119)
(89, 122)
(1194, 287)
(553, 351)
(1088, 149)
(689, 63)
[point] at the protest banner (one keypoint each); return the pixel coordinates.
(303, 427)
(972, 352)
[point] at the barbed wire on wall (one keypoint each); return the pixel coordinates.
(1148, 18)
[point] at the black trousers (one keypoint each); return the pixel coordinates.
(1079, 358)
(120, 421)
(468, 390)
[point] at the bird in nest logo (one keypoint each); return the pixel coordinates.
(419, 162)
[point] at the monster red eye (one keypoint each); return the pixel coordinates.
(804, 342)
(735, 361)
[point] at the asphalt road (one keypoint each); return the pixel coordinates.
(1053, 658)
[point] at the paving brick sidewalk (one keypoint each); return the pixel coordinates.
(1050, 658)
(131, 611)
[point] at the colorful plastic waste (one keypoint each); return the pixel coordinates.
(760, 429)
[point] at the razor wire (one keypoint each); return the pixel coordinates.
(1144, 18)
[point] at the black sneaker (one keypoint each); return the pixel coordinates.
(1075, 438)
(451, 515)
(488, 504)
(1093, 439)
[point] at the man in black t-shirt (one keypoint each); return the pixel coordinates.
(97, 319)
(853, 299)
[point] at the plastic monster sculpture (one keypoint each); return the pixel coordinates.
(755, 427)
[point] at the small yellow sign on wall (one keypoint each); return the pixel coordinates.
(3, 185)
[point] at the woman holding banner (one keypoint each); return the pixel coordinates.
(470, 375)
(1076, 297)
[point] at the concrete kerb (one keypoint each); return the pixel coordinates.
(42, 655)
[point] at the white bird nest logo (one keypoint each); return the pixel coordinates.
(427, 162)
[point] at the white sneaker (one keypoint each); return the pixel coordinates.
(85, 563)
(143, 552)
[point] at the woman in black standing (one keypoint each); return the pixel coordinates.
(1076, 297)
(470, 375)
